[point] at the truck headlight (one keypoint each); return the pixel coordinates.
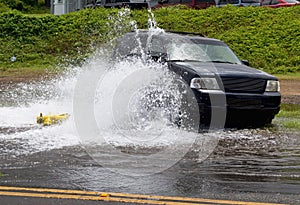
(205, 83)
(273, 86)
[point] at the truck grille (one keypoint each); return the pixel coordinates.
(250, 85)
(242, 103)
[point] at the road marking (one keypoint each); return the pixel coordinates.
(114, 197)
(91, 198)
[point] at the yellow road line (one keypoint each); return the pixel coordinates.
(119, 197)
(92, 198)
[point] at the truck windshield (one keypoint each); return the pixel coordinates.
(193, 51)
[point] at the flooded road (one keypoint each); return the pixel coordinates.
(247, 165)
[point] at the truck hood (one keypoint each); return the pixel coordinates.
(224, 69)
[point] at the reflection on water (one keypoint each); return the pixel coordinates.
(258, 155)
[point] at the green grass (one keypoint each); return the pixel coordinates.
(260, 35)
(292, 124)
(289, 116)
(290, 110)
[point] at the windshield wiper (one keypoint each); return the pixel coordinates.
(218, 61)
(185, 60)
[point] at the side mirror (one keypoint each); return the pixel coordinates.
(245, 62)
(156, 56)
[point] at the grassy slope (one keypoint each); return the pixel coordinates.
(263, 36)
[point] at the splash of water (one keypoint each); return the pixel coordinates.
(128, 110)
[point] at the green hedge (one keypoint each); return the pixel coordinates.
(268, 38)
(26, 6)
